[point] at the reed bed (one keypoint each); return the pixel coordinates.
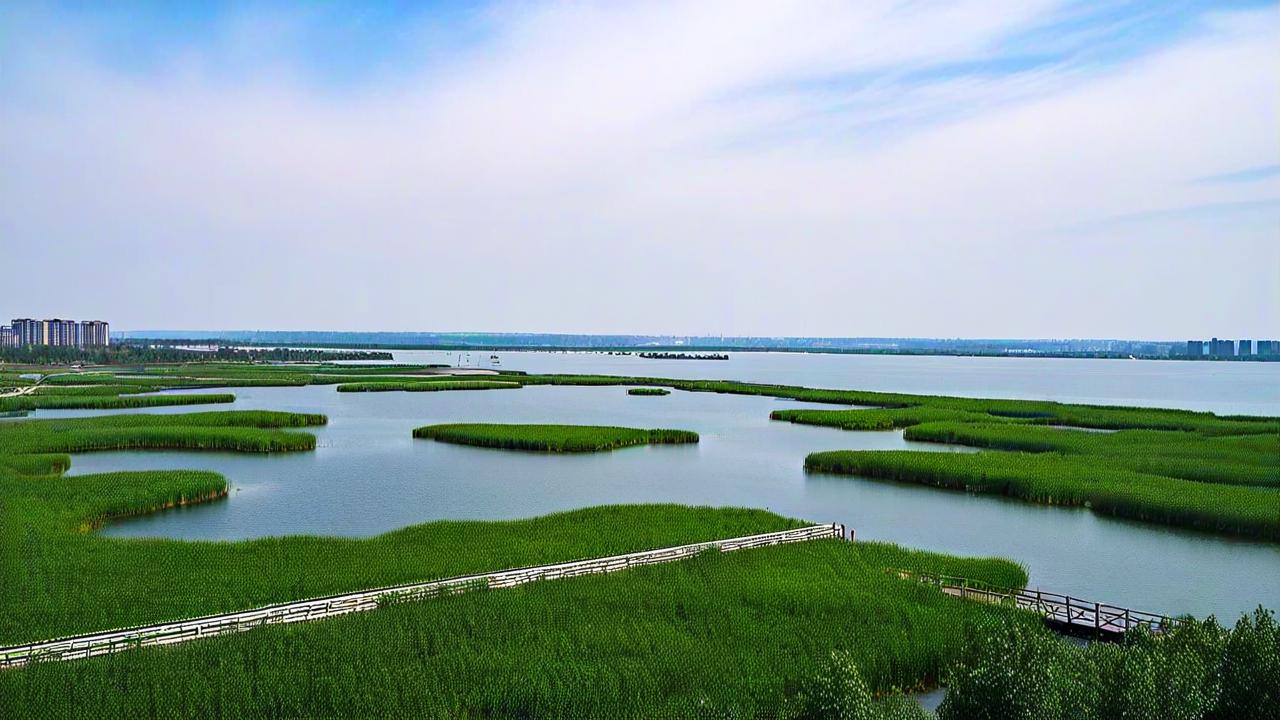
(249, 431)
(552, 438)
(93, 389)
(145, 383)
(734, 634)
(1241, 460)
(35, 464)
(1053, 479)
(106, 402)
(648, 391)
(427, 386)
(876, 418)
(57, 580)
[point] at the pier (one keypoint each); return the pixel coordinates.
(1064, 613)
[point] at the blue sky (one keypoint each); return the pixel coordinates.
(1035, 168)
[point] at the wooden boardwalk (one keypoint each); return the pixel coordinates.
(102, 643)
(1064, 613)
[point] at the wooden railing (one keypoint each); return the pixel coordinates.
(83, 646)
(1062, 611)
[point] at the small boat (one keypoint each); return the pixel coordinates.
(493, 359)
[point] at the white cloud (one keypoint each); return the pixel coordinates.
(670, 167)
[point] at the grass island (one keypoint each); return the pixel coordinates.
(552, 438)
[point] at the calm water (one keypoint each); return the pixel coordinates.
(1247, 388)
(369, 475)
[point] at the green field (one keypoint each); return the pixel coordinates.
(721, 635)
(551, 438)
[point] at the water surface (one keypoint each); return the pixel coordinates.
(1250, 388)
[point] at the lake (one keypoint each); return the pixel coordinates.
(368, 475)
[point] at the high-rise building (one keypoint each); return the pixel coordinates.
(1221, 348)
(28, 332)
(94, 333)
(8, 338)
(1245, 348)
(1195, 348)
(60, 333)
(1269, 347)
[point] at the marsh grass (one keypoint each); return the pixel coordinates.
(648, 391)
(719, 634)
(1054, 479)
(1233, 460)
(107, 402)
(551, 438)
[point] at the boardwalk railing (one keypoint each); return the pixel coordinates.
(1062, 611)
(83, 646)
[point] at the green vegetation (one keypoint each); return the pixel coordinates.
(551, 438)
(152, 383)
(1199, 670)
(746, 634)
(1233, 460)
(1165, 466)
(91, 389)
(648, 391)
(877, 418)
(239, 431)
(88, 401)
(1055, 479)
(427, 386)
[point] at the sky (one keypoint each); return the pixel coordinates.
(922, 168)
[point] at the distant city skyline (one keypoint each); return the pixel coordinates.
(55, 332)
(1039, 169)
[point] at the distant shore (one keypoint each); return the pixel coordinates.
(633, 349)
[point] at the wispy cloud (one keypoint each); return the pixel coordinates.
(666, 166)
(1243, 176)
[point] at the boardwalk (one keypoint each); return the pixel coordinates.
(1064, 613)
(83, 646)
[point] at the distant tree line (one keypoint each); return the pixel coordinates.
(127, 353)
